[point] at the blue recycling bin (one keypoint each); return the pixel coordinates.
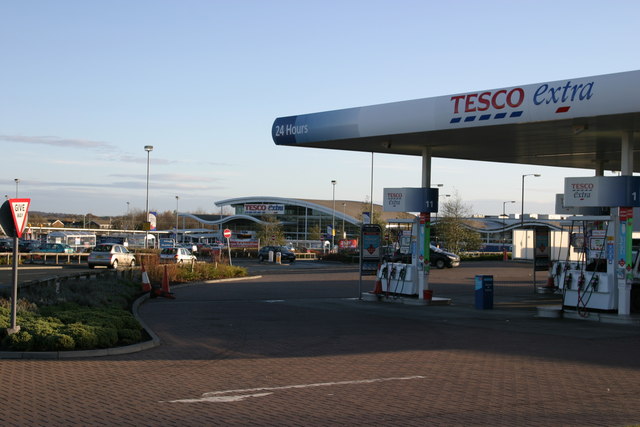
(484, 292)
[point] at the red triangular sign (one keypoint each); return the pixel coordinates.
(19, 211)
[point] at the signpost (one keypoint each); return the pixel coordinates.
(370, 251)
(227, 235)
(13, 218)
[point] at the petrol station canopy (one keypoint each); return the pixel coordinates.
(578, 122)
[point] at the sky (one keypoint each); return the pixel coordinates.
(86, 85)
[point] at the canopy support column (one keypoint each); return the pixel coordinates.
(626, 154)
(626, 169)
(424, 230)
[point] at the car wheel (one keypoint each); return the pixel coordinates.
(180, 261)
(133, 263)
(92, 266)
(440, 263)
(260, 258)
(114, 264)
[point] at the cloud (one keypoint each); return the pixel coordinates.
(56, 141)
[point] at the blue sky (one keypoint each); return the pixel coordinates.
(87, 84)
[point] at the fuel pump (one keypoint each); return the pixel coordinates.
(589, 282)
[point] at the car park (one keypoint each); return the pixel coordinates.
(285, 253)
(177, 255)
(111, 255)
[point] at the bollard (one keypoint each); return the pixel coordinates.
(484, 292)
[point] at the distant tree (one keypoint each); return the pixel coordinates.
(451, 229)
(271, 231)
(314, 232)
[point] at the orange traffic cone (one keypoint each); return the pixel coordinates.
(378, 288)
(165, 281)
(146, 283)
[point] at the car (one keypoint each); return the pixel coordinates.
(177, 255)
(285, 253)
(437, 258)
(56, 248)
(440, 258)
(29, 245)
(5, 246)
(111, 255)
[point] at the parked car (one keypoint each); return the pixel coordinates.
(5, 246)
(111, 255)
(29, 246)
(437, 258)
(286, 254)
(56, 248)
(440, 258)
(177, 255)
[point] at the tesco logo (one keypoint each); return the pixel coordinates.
(482, 101)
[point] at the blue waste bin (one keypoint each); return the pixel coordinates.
(484, 292)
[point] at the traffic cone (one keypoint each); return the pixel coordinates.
(165, 281)
(377, 290)
(146, 283)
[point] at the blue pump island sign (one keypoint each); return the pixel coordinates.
(371, 248)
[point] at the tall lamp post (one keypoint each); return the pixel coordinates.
(522, 211)
(17, 181)
(126, 222)
(344, 213)
(148, 149)
(333, 216)
(177, 198)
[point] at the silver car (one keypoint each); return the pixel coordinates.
(176, 255)
(111, 255)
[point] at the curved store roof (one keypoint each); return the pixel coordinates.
(351, 211)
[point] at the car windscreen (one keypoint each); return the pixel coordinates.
(102, 248)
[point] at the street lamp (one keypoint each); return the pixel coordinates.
(17, 182)
(148, 149)
(333, 217)
(126, 226)
(177, 218)
(344, 213)
(522, 211)
(504, 215)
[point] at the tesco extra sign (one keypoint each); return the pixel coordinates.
(563, 94)
(263, 208)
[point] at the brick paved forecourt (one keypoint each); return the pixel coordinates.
(295, 346)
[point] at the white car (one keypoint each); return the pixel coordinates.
(111, 255)
(177, 255)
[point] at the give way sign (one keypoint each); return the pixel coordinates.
(19, 210)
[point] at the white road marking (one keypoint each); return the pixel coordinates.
(237, 394)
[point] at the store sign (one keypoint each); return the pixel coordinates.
(602, 191)
(263, 208)
(410, 200)
(348, 243)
